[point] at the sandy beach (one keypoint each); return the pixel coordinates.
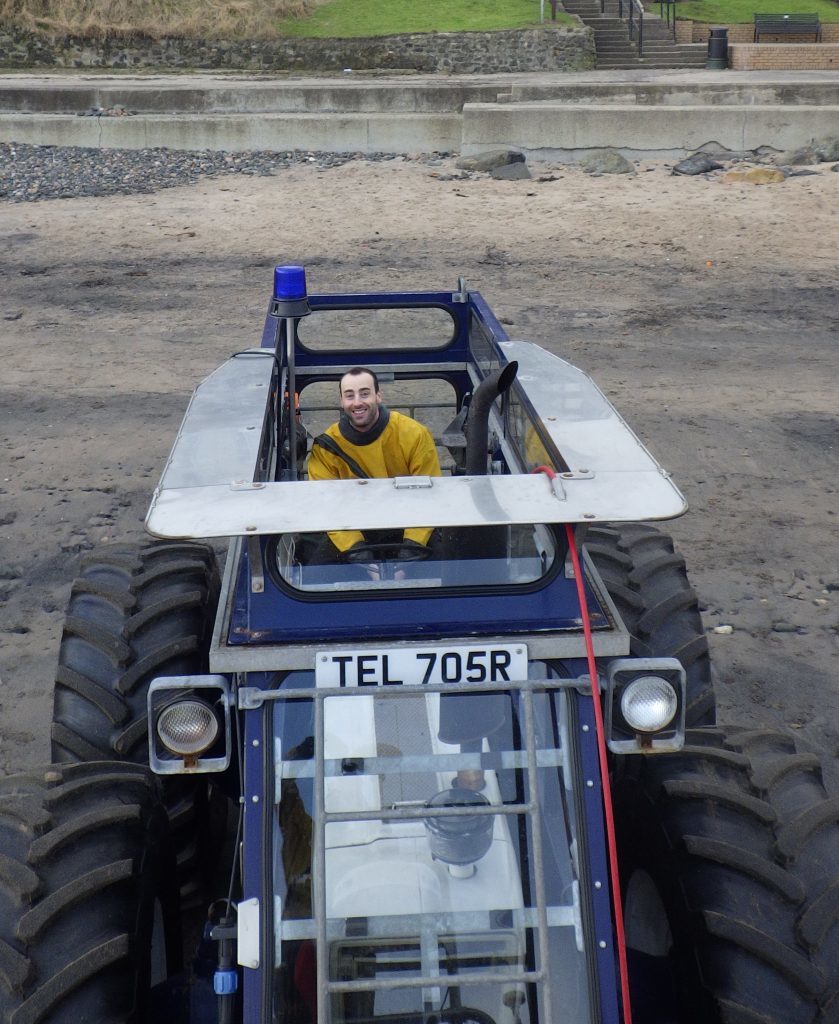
(707, 311)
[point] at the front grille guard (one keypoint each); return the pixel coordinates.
(530, 759)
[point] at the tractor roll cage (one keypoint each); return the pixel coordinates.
(220, 479)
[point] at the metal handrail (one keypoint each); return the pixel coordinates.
(664, 9)
(636, 16)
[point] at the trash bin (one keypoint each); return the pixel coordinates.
(717, 49)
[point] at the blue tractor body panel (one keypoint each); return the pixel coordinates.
(278, 615)
(357, 901)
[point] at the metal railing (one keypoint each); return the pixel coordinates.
(632, 11)
(667, 13)
(635, 23)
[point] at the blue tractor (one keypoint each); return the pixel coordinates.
(476, 783)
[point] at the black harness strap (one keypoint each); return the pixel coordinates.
(325, 441)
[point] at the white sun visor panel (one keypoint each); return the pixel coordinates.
(220, 511)
(221, 432)
(578, 417)
(207, 487)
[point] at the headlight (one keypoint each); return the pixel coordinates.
(187, 728)
(649, 704)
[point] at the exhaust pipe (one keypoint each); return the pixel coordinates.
(477, 422)
(467, 718)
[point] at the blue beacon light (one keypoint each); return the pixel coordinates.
(290, 298)
(289, 283)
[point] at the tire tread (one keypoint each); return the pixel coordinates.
(647, 580)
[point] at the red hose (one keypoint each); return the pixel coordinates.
(620, 937)
(617, 906)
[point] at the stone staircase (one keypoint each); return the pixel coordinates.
(614, 48)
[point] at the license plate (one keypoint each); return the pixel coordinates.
(414, 666)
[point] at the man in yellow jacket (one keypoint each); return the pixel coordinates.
(369, 440)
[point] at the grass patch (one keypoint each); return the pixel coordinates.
(323, 19)
(734, 12)
(356, 18)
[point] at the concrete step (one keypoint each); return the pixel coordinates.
(658, 32)
(665, 61)
(650, 63)
(709, 90)
(223, 94)
(366, 132)
(662, 65)
(633, 60)
(658, 46)
(672, 52)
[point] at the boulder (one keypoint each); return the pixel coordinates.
(819, 151)
(511, 172)
(827, 149)
(606, 161)
(489, 161)
(697, 163)
(800, 157)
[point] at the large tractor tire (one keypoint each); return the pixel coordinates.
(135, 613)
(648, 581)
(88, 902)
(729, 853)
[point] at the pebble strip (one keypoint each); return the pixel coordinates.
(29, 173)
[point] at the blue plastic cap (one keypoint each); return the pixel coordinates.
(225, 982)
(289, 283)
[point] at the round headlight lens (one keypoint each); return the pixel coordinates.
(187, 728)
(649, 703)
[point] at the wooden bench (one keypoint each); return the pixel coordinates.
(787, 25)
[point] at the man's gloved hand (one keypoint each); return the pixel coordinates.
(412, 551)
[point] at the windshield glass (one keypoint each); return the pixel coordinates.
(423, 863)
(382, 560)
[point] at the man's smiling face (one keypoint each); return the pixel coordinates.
(360, 400)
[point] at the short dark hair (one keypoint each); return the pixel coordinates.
(355, 371)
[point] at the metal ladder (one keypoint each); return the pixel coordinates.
(430, 933)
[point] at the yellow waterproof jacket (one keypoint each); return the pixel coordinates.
(403, 448)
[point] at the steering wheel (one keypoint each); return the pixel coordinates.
(395, 551)
(461, 1015)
